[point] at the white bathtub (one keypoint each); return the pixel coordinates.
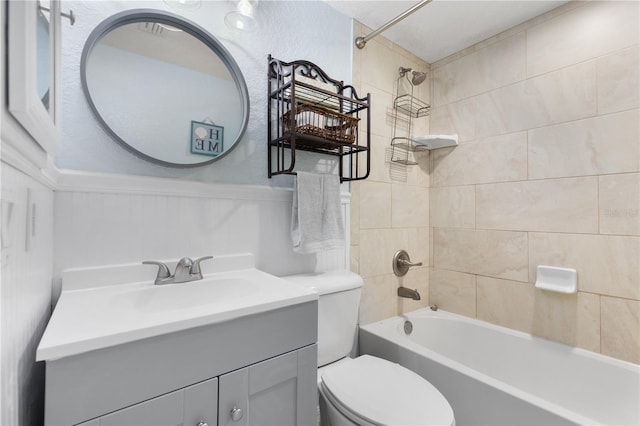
(496, 376)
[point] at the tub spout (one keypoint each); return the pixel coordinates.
(408, 293)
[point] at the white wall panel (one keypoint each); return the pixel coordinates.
(25, 294)
(95, 225)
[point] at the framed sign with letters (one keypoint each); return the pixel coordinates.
(207, 139)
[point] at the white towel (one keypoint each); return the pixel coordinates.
(316, 215)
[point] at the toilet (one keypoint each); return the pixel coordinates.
(365, 390)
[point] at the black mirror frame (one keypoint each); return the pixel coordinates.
(167, 18)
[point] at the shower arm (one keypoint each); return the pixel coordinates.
(362, 41)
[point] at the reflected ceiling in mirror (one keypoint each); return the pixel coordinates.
(164, 88)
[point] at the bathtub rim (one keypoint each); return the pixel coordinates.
(394, 324)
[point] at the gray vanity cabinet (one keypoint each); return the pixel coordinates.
(265, 365)
(279, 391)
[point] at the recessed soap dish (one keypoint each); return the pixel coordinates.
(553, 278)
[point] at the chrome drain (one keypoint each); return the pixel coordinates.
(408, 327)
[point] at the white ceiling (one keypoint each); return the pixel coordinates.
(443, 27)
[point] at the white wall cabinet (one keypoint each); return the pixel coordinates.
(34, 71)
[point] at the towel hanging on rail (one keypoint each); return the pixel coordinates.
(316, 214)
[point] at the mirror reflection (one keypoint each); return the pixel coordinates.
(165, 93)
(43, 58)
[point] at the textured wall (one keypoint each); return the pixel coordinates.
(546, 173)
(390, 210)
(289, 30)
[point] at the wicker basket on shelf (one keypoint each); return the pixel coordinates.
(322, 122)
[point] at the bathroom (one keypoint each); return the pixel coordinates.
(547, 171)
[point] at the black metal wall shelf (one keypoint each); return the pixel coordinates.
(299, 91)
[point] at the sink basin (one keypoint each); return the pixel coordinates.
(89, 317)
(213, 292)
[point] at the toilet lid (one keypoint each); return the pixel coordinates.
(385, 393)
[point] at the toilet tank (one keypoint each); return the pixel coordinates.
(338, 303)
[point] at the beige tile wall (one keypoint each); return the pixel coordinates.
(390, 210)
(547, 172)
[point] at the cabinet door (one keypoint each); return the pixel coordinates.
(201, 404)
(192, 406)
(280, 391)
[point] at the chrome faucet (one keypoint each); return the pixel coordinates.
(186, 270)
(408, 293)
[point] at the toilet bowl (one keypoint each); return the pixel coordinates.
(372, 391)
(365, 390)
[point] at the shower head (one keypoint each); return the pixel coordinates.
(418, 77)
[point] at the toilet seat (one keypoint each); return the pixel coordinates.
(374, 391)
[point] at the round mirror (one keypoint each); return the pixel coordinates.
(164, 88)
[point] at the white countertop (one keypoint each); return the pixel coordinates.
(93, 318)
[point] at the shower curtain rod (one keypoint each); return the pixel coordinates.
(361, 41)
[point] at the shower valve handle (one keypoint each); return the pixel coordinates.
(408, 263)
(401, 263)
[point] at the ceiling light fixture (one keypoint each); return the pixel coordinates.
(183, 4)
(242, 17)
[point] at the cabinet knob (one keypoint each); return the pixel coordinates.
(203, 424)
(236, 414)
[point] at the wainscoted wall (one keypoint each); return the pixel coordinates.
(103, 219)
(390, 210)
(26, 257)
(25, 294)
(546, 173)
